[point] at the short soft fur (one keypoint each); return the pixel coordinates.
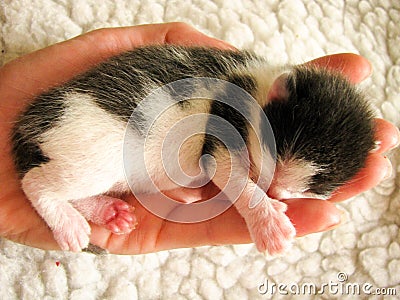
(322, 123)
(329, 113)
(365, 246)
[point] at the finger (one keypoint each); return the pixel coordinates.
(312, 215)
(228, 228)
(19, 222)
(355, 67)
(307, 215)
(387, 135)
(177, 33)
(183, 34)
(155, 234)
(111, 41)
(38, 236)
(376, 169)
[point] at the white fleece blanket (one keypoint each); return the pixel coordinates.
(366, 248)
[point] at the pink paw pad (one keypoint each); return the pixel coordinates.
(119, 217)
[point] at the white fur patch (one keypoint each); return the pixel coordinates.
(85, 150)
(291, 179)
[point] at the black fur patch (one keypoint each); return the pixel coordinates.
(120, 83)
(326, 121)
(40, 116)
(235, 108)
(27, 155)
(220, 133)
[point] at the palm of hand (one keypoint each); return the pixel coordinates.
(27, 76)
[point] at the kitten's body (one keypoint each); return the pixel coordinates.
(77, 142)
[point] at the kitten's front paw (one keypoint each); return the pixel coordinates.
(270, 228)
(72, 233)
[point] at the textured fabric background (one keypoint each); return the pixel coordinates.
(366, 247)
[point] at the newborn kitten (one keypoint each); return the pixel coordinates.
(69, 143)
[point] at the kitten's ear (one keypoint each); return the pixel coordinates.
(279, 89)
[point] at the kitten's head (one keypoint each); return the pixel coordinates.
(323, 130)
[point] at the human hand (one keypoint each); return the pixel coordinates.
(28, 76)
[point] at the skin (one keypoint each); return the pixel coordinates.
(29, 75)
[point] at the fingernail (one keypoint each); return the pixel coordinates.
(338, 220)
(396, 138)
(389, 169)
